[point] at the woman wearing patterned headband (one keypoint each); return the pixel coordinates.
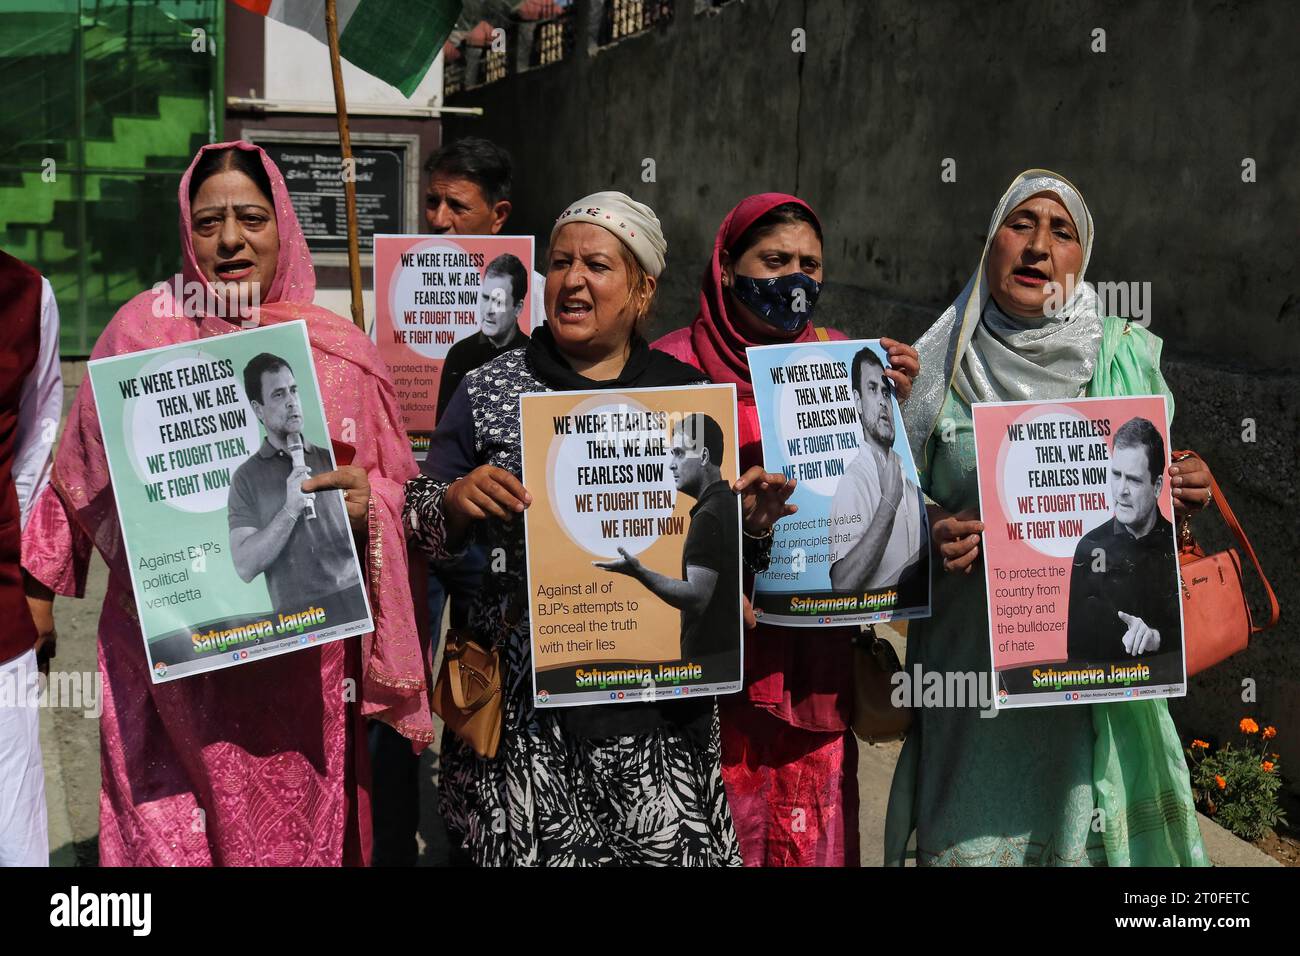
(626, 784)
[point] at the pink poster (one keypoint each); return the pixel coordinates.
(444, 305)
(1080, 553)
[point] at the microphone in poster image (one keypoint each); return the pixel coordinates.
(297, 456)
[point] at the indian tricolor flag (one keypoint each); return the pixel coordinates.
(394, 40)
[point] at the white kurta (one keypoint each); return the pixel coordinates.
(24, 836)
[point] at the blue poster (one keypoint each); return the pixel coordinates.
(858, 550)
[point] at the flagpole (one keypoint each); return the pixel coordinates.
(349, 182)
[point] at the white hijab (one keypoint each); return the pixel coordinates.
(986, 355)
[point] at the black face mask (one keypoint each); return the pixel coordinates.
(784, 302)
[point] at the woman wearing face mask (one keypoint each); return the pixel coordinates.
(626, 784)
(1103, 784)
(789, 757)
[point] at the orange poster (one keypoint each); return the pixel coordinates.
(444, 305)
(634, 538)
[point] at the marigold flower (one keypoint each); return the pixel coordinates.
(1270, 732)
(1268, 766)
(1201, 744)
(1248, 726)
(1223, 784)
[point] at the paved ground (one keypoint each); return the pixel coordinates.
(70, 742)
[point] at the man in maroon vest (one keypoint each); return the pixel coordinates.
(31, 400)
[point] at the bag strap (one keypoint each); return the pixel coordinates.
(458, 688)
(455, 648)
(822, 334)
(1230, 519)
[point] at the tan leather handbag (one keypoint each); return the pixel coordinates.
(467, 695)
(1217, 621)
(875, 718)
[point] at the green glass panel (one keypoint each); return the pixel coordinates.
(126, 254)
(105, 102)
(38, 83)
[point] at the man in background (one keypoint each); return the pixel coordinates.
(468, 194)
(31, 402)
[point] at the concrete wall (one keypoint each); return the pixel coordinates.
(1153, 131)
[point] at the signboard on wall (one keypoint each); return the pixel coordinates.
(387, 181)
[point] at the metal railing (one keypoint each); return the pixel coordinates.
(496, 63)
(625, 18)
(453, 76)
(531, 44)
(552, 40)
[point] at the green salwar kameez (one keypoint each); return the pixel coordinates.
(1049, 786)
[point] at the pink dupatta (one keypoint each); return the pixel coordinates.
(268, 756)
(717, 341)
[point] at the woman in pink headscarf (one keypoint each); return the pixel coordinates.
(265, 763)
(789, 758)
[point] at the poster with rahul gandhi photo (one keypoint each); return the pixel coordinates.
(1080, 554)
(858, 549)
(444, 305)
(633, 541)
(208, 446)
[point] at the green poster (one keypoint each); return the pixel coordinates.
(208, 444)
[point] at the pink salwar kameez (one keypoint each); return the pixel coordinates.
(262, 764)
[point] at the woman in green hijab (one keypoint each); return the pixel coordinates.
(1100, 784)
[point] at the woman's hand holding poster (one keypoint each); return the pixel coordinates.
(858, 550)
(444, 305)
(634, 540)
(1080, 555)
(208, 446)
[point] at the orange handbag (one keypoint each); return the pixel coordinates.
(1217, 622)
